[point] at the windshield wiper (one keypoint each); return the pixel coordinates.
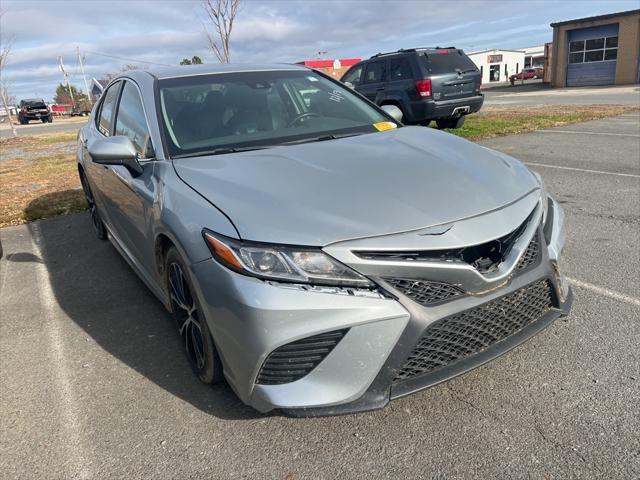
(219, 151)
(323, 138)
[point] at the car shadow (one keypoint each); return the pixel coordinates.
(98, 290)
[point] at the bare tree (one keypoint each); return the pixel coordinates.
(5, 51)
(221, 14)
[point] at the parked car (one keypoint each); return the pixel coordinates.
(34, 109)
(313, 251)
(426, 84)
(526, 74)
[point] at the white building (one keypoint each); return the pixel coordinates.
(497, 65)
(533, 56)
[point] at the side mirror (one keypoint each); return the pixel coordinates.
(116, 150)
(393, 111)
(349, 84)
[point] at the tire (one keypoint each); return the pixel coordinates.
(50, 120)
(425, 123)
(450, 122)
(96, 221)
(44, 120)
(192, 326)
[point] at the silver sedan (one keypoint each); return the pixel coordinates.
(314, 252)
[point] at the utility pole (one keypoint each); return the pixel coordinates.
(84, 77)
(66, 79)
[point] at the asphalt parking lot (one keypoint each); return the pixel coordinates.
(95, 384)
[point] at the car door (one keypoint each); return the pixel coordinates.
(130, 198)
(372, 85)
(400, 85)
(101, 126)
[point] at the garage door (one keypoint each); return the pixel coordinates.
(592, 56)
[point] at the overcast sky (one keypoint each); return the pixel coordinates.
(165, 31)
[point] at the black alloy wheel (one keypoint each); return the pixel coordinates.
(198, 342)
(96, 221)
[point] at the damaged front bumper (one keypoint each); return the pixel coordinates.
(384, 347)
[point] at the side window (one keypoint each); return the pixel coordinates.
(354, 75)
(399, 69)
(374, 72)
(131, 122)
(107, 108)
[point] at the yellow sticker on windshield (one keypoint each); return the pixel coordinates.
(382, 126)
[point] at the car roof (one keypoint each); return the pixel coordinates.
(214, 68)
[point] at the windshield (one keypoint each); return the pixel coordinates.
(33, 103)
(201, 113)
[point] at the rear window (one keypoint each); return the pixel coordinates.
(447, 61)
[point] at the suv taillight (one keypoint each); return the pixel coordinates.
(424, 87)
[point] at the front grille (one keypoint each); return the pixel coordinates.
(424, 292)
(293, 361)
(467, 333)
(530, 255)
(485, 257)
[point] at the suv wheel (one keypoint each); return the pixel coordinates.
(450, 122)
(186, 311)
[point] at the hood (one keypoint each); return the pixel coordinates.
(373, 184)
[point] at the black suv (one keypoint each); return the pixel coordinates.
(34, 109)
(440, 84)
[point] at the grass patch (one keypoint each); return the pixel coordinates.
(38, 178)
(494, 122)
(55, 203)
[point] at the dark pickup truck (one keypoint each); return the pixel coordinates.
(34, 109)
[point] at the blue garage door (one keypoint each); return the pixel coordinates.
(592, 56)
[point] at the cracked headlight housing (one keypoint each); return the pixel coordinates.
(282, 262)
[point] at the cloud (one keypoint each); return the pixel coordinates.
(265, 31)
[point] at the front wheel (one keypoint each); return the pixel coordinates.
(450, 122)
(96, 221)
(186, 311)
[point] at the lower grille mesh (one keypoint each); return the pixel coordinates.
(293, 361)
(467, 333)
(424, 292)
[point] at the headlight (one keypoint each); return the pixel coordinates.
(281, 262)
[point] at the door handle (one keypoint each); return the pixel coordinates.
(379, 89)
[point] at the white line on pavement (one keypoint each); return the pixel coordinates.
(632, 175)
(590, 133)
(69, 408)
(605, 292)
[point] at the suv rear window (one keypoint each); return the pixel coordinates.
(447, 61)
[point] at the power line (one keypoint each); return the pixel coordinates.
(127, 59)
